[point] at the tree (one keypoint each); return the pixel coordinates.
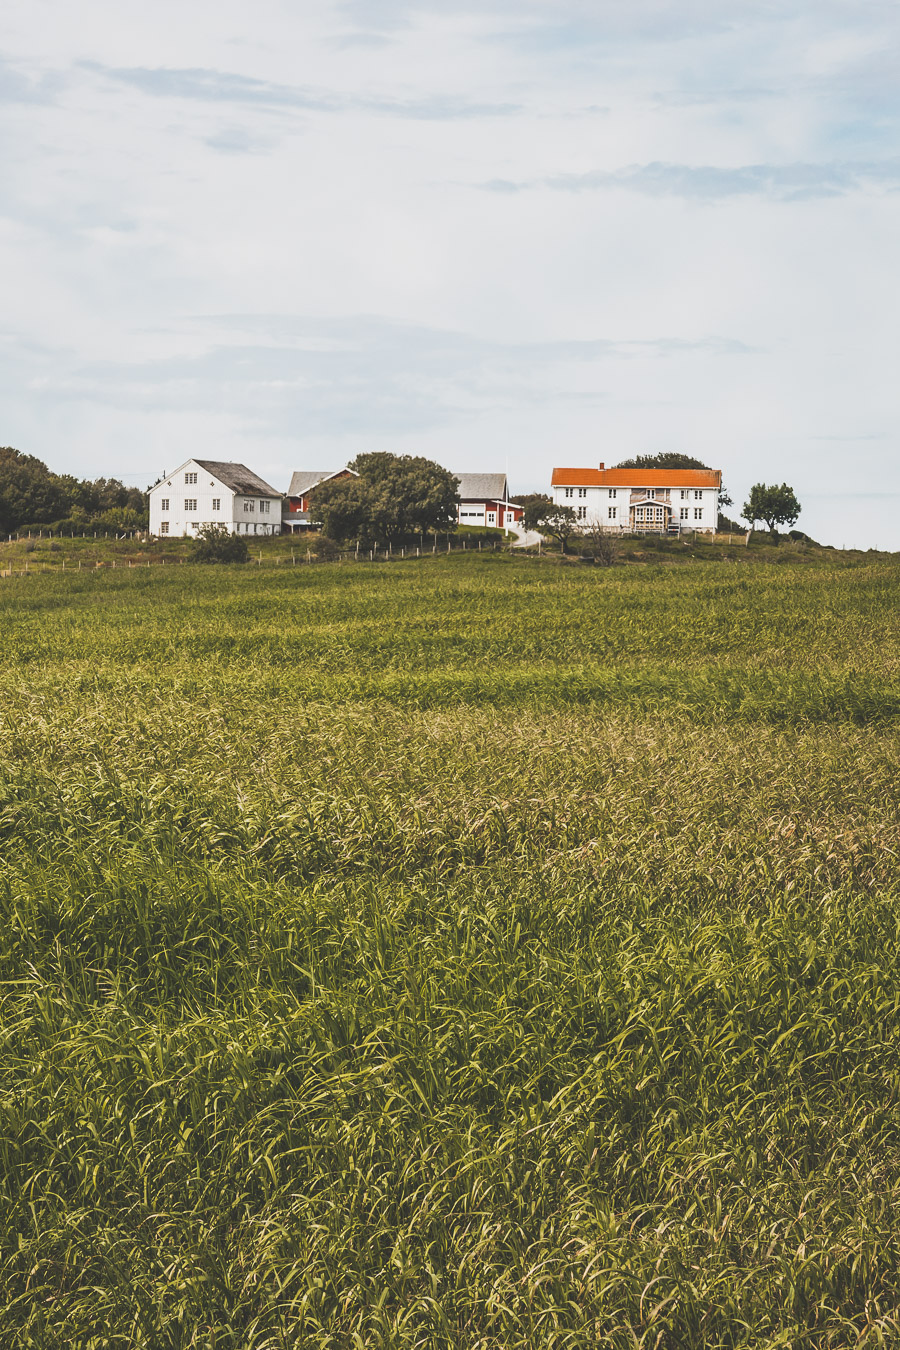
(775, 505)
(534, 505)
(667, 459)
(672, 459)
(394, 499)
(29, 493)
(216, 544)
(560, 522)
(600, 545)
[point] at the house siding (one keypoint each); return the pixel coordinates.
(191, 493)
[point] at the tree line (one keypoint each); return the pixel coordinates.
(32, 497)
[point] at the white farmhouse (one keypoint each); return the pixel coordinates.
(212, 492)
(641, 501)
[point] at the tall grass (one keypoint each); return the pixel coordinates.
(463, 957)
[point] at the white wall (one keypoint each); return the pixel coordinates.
(216, 504)
(598, 501)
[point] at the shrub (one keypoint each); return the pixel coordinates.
(325, 549)
(216, 544)
(600, 546)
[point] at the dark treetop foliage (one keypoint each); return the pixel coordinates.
(394, 499)
(534, 506)
(671, 459)
(216, 544)
(775, 505)
(30, 494)
(668, 459)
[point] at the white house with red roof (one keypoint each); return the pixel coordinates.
(641, 501)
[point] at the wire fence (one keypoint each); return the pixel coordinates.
(304, 556)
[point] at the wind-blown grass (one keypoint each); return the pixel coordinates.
(460, 956)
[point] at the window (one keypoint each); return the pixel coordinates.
(698, 513)
(190, 478)
(684, 494)
(685, 511)
(582, 492)
(660, 513)
(569, 492)
(195, 524)
(612, 492)
(164, 527)
(698, 496)
(264, 508)
(248, 506)
(651, 494)
(612, 512)
(190, 503)
(582, 513)
(217, 503)
(164, 504)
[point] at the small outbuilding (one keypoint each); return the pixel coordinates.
(484, 500)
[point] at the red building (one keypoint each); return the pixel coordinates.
(297, 515)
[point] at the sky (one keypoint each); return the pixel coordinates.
(505, 234)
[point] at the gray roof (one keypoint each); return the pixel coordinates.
(303, 481)
(481, 487)
(238, 477)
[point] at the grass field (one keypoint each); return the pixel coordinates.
(455, 953)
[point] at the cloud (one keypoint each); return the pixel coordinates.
(354, 375)
(777, 182)
(218, 86)
(238, 141)
(16, 87)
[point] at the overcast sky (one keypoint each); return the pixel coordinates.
(504, 233)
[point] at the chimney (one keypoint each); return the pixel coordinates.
(602, 464)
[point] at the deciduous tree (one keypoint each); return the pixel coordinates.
(394, 499)
(560, 522)
(775, 505)
(534, 505)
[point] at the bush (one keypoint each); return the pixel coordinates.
(215, 544)
(325, 549)
(600, 547)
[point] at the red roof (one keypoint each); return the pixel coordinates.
(637, 478)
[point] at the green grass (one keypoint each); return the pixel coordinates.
(465, 953)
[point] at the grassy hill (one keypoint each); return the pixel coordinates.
(464, 953)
